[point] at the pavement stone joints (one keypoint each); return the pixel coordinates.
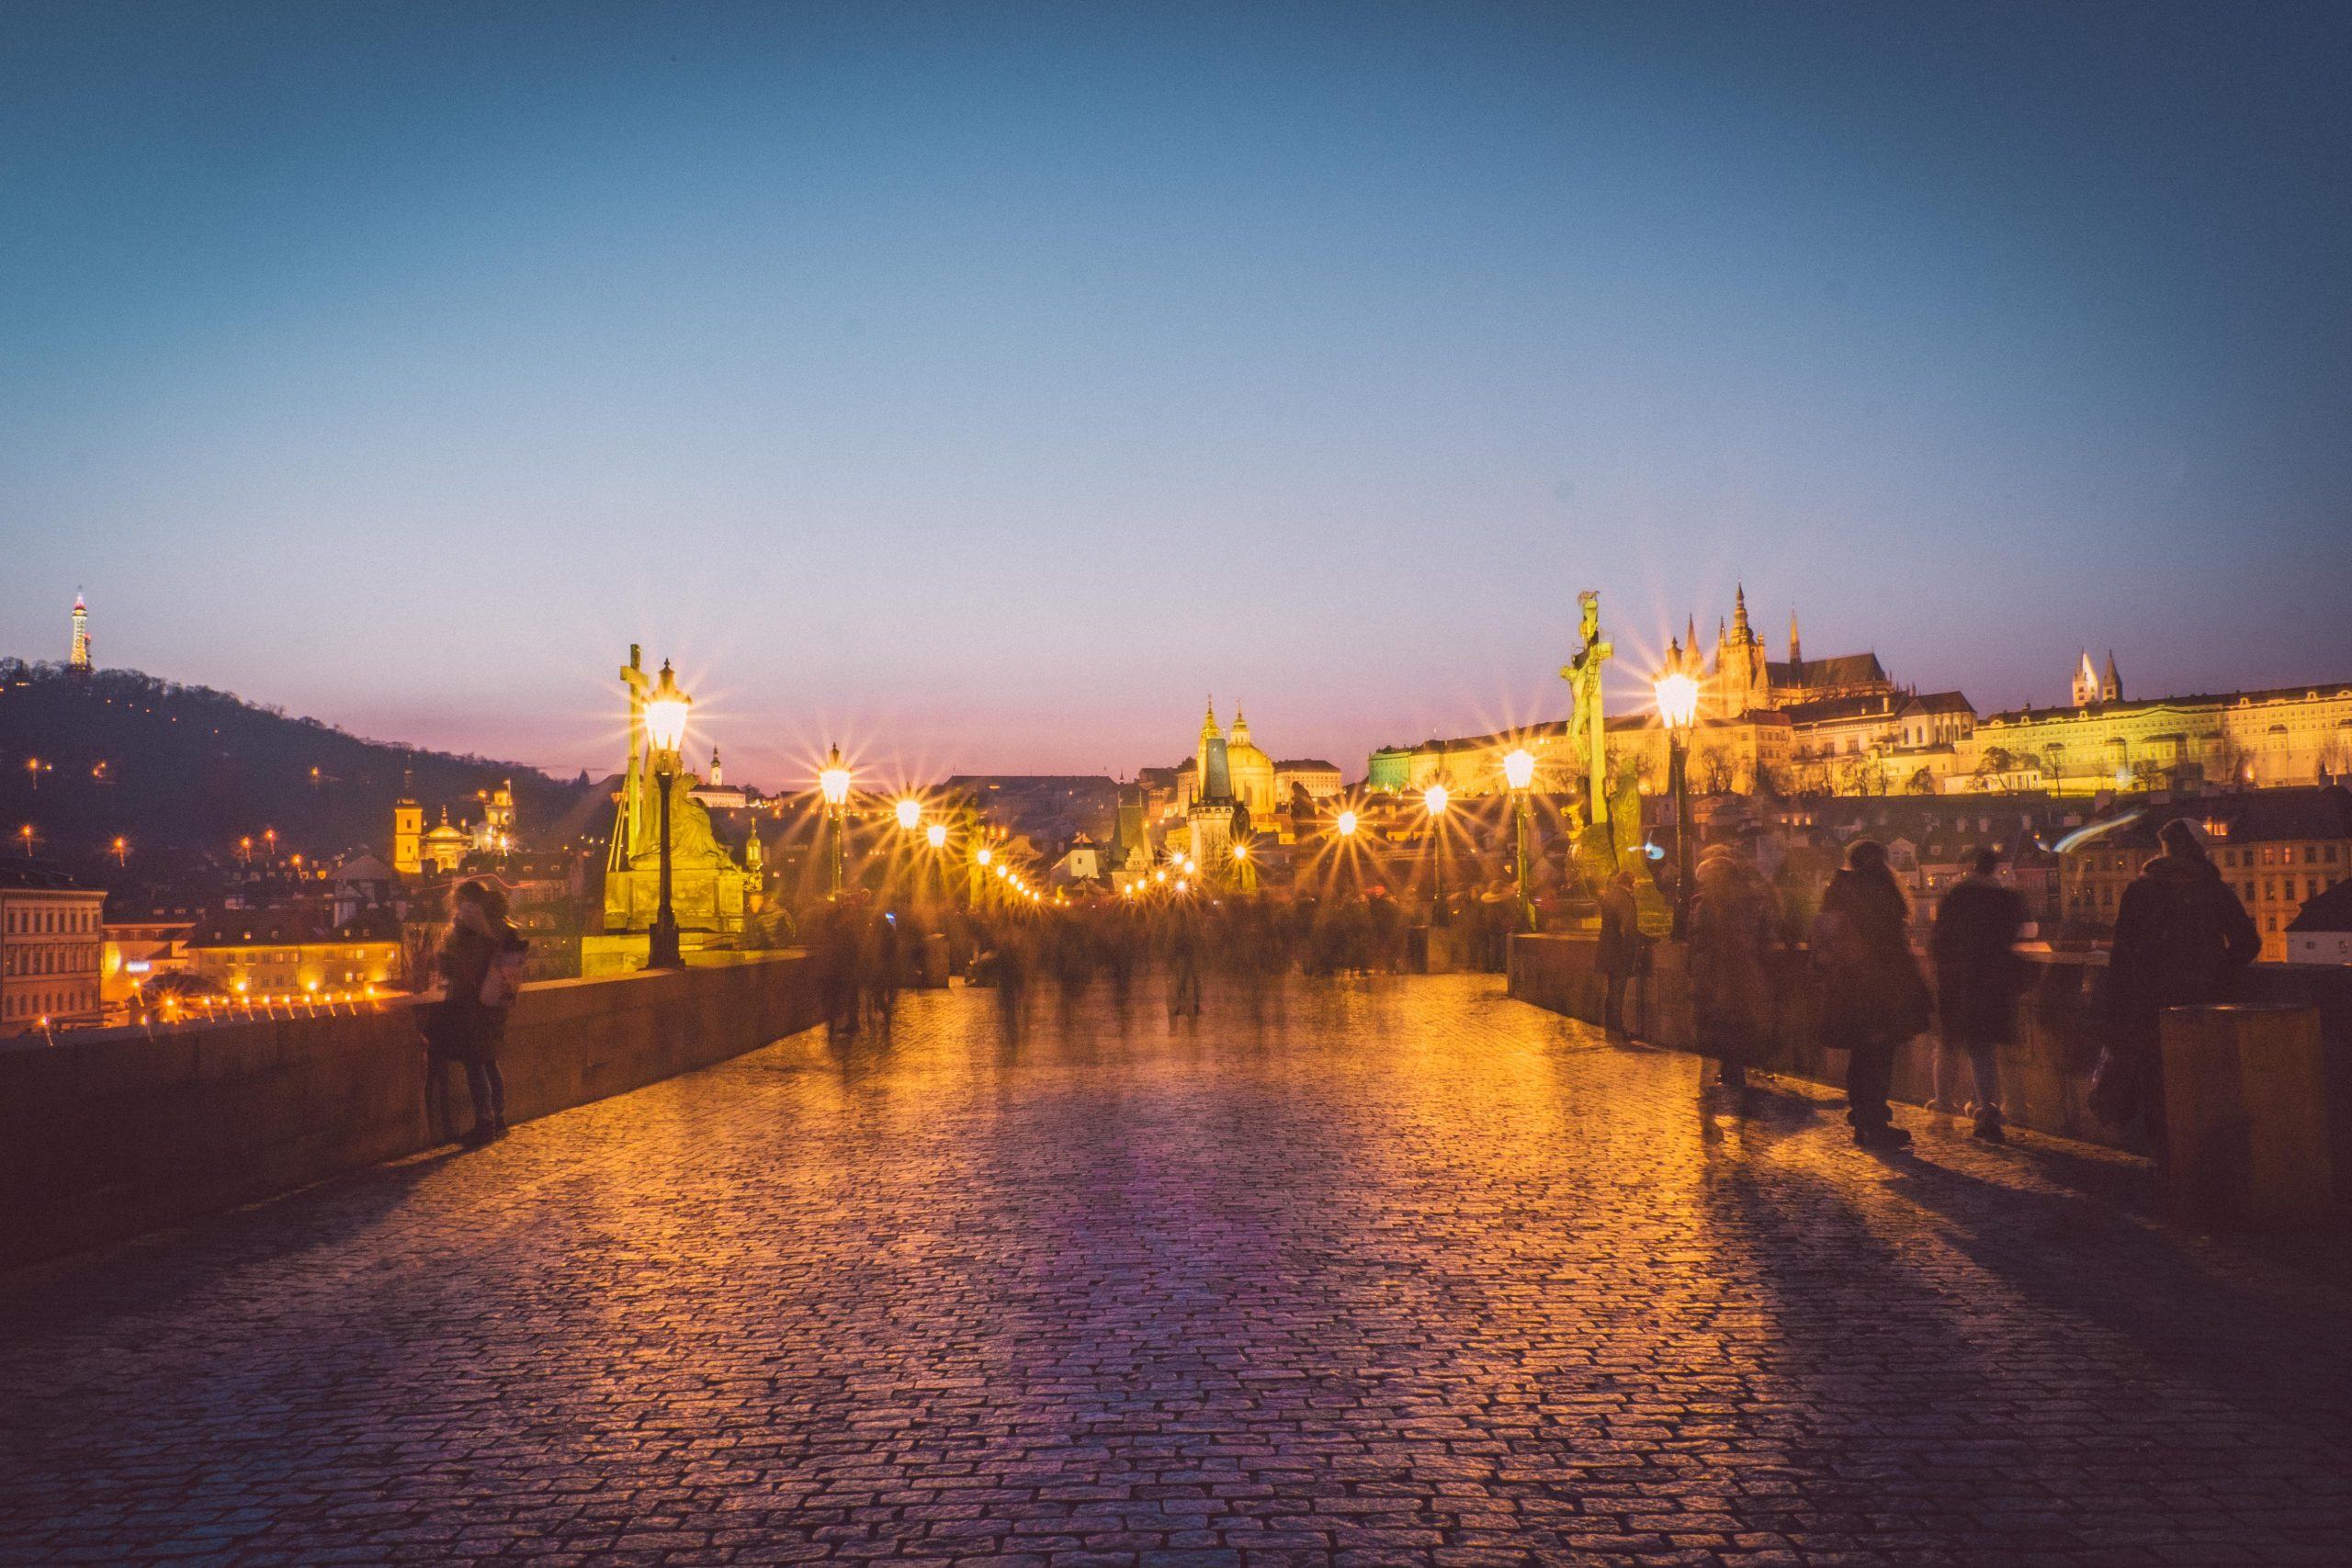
(1358, 1272)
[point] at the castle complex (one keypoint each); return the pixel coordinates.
(1843, 725)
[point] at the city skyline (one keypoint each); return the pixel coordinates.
(982, 391)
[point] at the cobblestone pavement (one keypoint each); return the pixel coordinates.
(1400, 1271)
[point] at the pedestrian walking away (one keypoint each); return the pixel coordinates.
(1731, 941)
(1873, 997)
(1979, 977)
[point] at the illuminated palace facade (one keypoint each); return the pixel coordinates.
(1843, 725)
(1795, 724)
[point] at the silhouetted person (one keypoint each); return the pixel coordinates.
(1731, 985)
(1873, 998)
(1979, 977)
(1183, 961)
(2181, 936)
(837, 959)
(1619, 956)
(881, 961)
(481, 964)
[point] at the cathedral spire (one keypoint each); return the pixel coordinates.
(1739, 611)
(1208, 725)
(1796, 648)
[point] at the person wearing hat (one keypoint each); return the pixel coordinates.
(2181, 936)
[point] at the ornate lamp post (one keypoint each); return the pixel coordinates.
(980, 859)
(665, 731)
(834, 782)
(1518, 772)
(1678, 708)
(1433, 801)
(1244, 872)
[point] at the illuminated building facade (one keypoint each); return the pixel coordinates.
(2285, 738)
(52, 940)
(294, 952)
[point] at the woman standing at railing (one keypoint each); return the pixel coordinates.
(480, 962)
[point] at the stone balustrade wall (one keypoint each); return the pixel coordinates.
(2045, 1076)
(110, 1132)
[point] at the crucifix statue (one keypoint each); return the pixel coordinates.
(1588, 735)
(633, 676)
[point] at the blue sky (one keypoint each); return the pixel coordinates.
(981, 386)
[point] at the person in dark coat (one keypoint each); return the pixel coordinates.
(1619, 953)
(478, 959)
(2181, 936)
(1873, 997)
(1979, 977)
(1731, 984)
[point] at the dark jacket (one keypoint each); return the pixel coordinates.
(1872, 990)
(2181, 936)
(1621, 931)
(460, 1027)
(1979, 974)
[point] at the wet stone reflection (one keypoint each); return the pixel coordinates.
(1351, 1271)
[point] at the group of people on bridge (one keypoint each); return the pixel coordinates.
(2180, 938)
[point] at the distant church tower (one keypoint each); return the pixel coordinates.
(408, 831)
(715, 776)
(2092, 687)
(80, 664)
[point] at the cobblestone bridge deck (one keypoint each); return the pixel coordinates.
(1396, 1271)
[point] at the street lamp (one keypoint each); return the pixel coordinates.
(665, 731)
(1518, 772)
(834, 782)
(1245, 872)
(1433, 801)
(910, 811)
(1678, 708)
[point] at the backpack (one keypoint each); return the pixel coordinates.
(502, 980)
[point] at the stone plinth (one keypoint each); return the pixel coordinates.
(2246, 1113)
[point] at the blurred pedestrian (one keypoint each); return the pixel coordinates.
(1731, 985)
(2181, 936)
(1873, 997)
(1979, 976)
(1621, 950)
(480, 964)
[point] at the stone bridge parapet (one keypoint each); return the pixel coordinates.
(2045, 1076)
(110, 1132)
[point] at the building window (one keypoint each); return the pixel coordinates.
(2270, 922)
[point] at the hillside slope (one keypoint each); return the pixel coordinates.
(187, 770)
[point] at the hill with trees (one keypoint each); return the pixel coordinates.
(186, 772)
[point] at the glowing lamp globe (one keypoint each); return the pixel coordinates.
(910, 814)
(1433, 799)
(1518, 768)
(666, 713)
(834, 779)
(936, 835)
(985, 855)
(1346, 824)
(1241, 851)
(1678, 700)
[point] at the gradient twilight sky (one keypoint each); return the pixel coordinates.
(981, 385)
